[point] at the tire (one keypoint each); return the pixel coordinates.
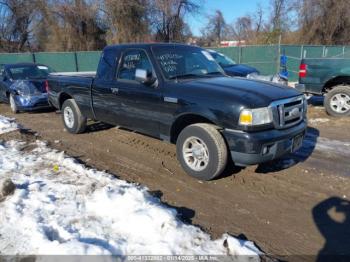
(337, 101)
(13, 105)
(211, 151)
(72, 118)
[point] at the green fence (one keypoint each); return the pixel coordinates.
(60, 61)
(264, 57)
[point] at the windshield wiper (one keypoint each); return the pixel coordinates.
(196, 75)
(214, 73)
(184, 76)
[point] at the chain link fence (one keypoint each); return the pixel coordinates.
(267, 58)
(60, 61)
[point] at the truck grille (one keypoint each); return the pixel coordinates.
(289, 112)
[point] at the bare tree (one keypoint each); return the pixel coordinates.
(168, 18)
(73, 25)
(127, 20)
(243, 28)
(279, 21)
(324, 21)
(15, 29)
(216, 29)
(258, 19)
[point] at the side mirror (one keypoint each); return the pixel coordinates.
(142, 76)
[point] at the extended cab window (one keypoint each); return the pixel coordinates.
(107, 63)
(132, 60)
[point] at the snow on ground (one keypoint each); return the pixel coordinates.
(329, 146)
(315, 121)
(7, 124)
(62, 207)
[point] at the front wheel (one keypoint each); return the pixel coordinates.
(13, 105)
(337, 101)
(201, 151)
(72, 118)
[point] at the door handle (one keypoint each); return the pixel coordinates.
(115, 90)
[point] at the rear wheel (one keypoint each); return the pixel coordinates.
(72, 118)
(13, 105)
(337, 101)
(201, 151)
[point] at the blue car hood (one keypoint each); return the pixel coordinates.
(239, 70)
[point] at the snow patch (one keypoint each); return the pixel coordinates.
(7, 124)
(62, 207)
(330, 146)
(316, 121)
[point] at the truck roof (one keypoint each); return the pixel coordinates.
(146, 45)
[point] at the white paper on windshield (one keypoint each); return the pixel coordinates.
(207, 55)
(43, 67)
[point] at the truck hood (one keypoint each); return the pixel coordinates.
(251, 93)
(239, 70)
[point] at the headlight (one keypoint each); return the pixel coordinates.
(255, 117)
(252, 75)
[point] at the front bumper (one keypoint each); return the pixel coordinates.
(257, 147)
(32, 103)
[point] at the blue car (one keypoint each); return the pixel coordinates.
(24, 86)
(230, 67)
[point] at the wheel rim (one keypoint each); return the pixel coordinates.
(13, 104)
(68, 117)
(340, 103)
(195, 153)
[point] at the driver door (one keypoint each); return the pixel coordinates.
(139, 104)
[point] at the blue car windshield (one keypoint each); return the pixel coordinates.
(185, 62)
(222, 60)
(29, 72)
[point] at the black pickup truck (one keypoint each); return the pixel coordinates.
(329, 77)
(178, 93)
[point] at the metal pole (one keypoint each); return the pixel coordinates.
(279, 53)
(302, 52)
(76, 62)
(239, 54)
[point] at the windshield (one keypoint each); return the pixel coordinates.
(185, 62)
(29, 72)
(222, 60)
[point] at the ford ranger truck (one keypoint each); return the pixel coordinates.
(178, 93)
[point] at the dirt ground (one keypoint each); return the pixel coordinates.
(294, 206)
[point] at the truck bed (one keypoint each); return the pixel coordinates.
(75, 85)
